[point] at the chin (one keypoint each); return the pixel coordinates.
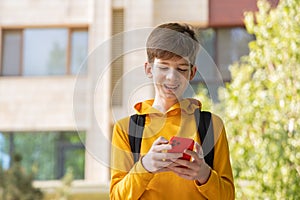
(172, 97)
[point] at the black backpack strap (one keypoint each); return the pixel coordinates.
(136, 129)
(206, 133)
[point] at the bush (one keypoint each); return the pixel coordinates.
(261, 106)
(16, 184)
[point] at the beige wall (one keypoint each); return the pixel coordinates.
(54, 12)
(38, 104)
(189, 11)
(97, 154)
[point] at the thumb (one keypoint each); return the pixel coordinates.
(199, 150)
(160, 140)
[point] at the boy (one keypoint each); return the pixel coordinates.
(171, 52)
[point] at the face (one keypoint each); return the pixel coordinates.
(170, 77)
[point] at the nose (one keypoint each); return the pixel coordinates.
(172, 74)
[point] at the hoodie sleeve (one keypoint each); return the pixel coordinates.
(220, 184)
(128, 180)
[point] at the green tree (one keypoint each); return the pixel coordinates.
(64, 191)
(261, 106)
(16, 184)
(1, 181)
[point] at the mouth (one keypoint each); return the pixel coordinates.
(171, 88)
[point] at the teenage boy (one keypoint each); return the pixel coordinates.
(158, 174)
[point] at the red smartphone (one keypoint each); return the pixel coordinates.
(179, 144)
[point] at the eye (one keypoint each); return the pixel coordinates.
(182, 70)
(162, 67)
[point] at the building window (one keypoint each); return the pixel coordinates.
(12, 55)
(224, 46)
(52, 153)
(79, 49)
(43, 51)
(232, 44)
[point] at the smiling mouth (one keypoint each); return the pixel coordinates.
(171, 87)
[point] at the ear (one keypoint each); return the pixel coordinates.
(193, 72)
(148, 69)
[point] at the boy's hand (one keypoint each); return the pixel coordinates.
(197, 169)
(157, 159)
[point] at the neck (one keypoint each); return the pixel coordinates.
(163, 105)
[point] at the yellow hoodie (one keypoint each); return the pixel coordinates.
(130, 180)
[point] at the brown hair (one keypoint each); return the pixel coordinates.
(172, 40)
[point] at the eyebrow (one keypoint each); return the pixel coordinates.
(167, 63)
(184, 64)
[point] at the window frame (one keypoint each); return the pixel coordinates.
(70, 29)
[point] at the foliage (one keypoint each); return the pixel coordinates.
(1, 181)
(64, 192)
(262, 106)
(16, 184)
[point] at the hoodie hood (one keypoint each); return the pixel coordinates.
(187, 105)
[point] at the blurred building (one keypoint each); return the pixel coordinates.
(45, 106)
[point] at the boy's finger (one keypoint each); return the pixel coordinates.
(168, 156)
(160, 140)
(193, 154)
(182, 163)
(197, 147)
(199, 150)
(162, 147)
